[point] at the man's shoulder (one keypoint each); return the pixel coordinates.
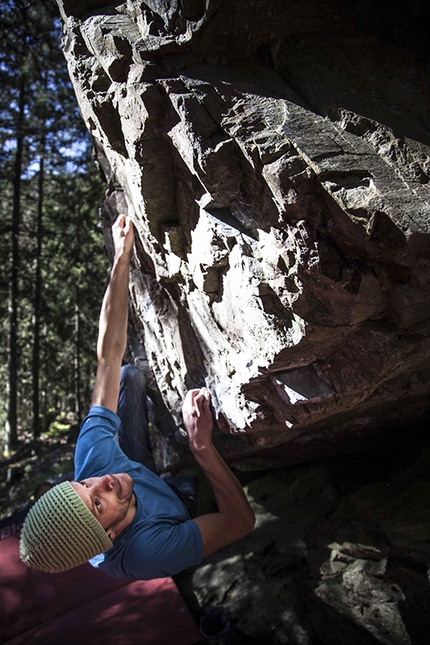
(153, 548)
(97, 451)
(100, 418)
(99, 412)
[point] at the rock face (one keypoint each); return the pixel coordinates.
(338, 556)
(275, 160)
(368, 569)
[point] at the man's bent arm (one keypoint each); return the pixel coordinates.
(112, 336)
(235, 517)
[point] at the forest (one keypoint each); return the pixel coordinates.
(54, 267)
(275, 159)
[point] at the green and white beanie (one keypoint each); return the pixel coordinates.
(60, 532)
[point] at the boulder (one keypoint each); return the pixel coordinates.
(275, 161)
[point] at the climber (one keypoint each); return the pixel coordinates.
(118, 513)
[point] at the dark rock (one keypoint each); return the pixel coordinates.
(276, 164)
(275, 159)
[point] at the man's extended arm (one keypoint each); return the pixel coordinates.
(235, 517)
(113, 319)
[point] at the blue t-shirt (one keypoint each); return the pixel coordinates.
(161, 540)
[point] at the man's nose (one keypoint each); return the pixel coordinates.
(105, 483)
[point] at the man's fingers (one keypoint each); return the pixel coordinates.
(202, 398)
(203, 395)
(196, 406)
(128, 224)
(124, 222)
(195, 401)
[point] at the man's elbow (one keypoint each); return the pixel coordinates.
(251, 521)
(247, 523)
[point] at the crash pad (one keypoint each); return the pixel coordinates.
(88, 607)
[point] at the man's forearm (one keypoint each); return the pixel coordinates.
(114, 315)
(230, 497)
(112, 337)
(235, 517)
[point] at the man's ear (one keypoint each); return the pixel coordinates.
(111, 534)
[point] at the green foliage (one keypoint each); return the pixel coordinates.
(61, 426)
(61, 265)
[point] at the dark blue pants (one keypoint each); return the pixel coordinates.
(133, 434)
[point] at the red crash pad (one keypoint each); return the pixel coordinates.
(84, 606)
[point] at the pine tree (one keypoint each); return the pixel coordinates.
(15, 79)
(50, 192)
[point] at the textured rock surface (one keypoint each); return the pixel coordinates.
(370, 565)
(260, 580)
(308, 575)
(275, 159)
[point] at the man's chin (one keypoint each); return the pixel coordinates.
(126, 485)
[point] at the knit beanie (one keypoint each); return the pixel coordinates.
(60, 532)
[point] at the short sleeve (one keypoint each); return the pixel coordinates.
(163, 550)
(96, 448)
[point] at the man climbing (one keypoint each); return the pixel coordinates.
(119, 513)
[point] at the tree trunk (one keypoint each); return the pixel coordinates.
(77, 371)
(12, 420)
(38, 292)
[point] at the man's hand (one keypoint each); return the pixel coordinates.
(198, 419)
(235, 517)
(123, 237)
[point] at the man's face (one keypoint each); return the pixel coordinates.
(110, 499)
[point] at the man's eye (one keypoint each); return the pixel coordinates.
(83, 484)
(97, 504)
